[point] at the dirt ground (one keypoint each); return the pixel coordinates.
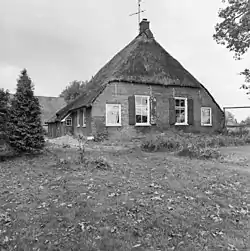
(125, 199)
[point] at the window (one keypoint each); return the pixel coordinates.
(181, 111)
(113, 115)
(78, 118)
(83, 119)
(68, 121)
(206, 116)
(142, 110)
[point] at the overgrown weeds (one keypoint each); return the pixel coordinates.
(192, 145)
(69, 158)
(99, 163)
(193, 151)
(101, 136)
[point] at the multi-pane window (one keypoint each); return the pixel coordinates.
(142, 110)
(206, 116)
(113, 114)
(68, 121)
(181, 111)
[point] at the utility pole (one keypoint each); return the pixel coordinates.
(138, 12)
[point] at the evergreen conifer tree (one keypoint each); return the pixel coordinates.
(4, 100)
(25, 127)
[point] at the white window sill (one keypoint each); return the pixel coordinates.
(68, 125)
(113, 125)
(181, 124)
(78, 126)
(142, 125)
(84, 125)
(206, 125)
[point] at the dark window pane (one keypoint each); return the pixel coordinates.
(182, 103)
(144, 119)
(177, 102)
(138, 119)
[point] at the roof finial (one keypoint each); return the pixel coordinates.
(138, 12)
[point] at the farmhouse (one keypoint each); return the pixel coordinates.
(140, 90)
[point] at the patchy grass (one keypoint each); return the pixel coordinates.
(155, 201)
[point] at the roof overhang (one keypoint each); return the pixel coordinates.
(64, 119)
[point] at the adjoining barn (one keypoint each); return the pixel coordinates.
(49, 106)
(141, 89)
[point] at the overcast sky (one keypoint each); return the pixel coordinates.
(60, 40)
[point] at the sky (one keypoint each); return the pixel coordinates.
(60, 41)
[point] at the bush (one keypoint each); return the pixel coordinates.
(156, 143)
(238, 132)
(193, 151)
(7, 153)
(101, 136)
(192, 145)
(99, 163)
(93, 162)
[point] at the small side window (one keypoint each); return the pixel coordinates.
(206, 116)
(113, 115)
(68, 121)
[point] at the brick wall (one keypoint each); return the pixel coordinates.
(119, 92)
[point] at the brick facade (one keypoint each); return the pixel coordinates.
(119, 92)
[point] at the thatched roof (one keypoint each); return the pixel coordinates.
(143, 61)
(49, 106)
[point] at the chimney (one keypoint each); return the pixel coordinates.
(144, 25)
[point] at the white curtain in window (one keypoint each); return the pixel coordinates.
(206, 116)
(113, 114)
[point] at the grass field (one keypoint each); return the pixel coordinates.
(124, 200)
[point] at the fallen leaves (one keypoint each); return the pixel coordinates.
(146, 202)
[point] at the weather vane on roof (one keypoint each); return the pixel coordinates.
(139, 11)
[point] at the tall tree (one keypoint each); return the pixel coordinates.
(25, 127)
(4, 113)
(234, 31)
(73, 90)
(246, 121)
(230, 118)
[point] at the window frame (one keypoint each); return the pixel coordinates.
(148, 112)
(78, 118)
(83, 119)
(210, 108)
(68, 119)
(186, 110)
(120, 115)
